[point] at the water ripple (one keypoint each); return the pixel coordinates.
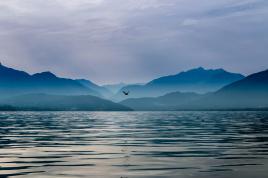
(134, 144)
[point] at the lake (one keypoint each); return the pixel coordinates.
(134, 144)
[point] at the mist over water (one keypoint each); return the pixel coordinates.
(134, 144)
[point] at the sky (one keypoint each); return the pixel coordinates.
(133, 41)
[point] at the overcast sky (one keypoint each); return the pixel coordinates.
(110, 41)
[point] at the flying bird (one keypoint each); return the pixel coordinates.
(126, 93)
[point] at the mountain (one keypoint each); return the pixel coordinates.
(104, 92)
(60, 102)
(197, 80)
(250, 92)
(167, 102)
(114, 88)
(14, 82)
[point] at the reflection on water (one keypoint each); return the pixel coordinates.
(134, 144)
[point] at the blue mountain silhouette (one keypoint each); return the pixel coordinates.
(14, 82)
(103, 91)
(197, 80)
(61, 103)
(250, 92)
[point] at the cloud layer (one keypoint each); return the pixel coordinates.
(133, 40)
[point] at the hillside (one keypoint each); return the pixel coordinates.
(167, 102)
(14, 82)
(197, 80)
(250, 92)
(60, 102)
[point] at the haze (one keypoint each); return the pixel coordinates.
(110, 41)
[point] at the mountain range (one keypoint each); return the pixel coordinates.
(62, 103)
(250, 92)
(14, 82)
(195, 89)
(170, 101)
(102, 91)
(114, 88)
(46, 91)
(197, 80)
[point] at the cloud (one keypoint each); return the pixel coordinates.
(133, 40)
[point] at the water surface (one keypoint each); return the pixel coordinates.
(134, 144)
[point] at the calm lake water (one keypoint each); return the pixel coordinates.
(134, 144)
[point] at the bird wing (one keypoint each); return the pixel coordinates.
(126, 92)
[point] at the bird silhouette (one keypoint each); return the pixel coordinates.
(126, 93)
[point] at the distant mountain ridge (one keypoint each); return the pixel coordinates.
(103, 91)
(61, 103)
(14, 82)
(197, 80)
(114, 88)
(250, 92)
(183, 91)
(169, 101)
